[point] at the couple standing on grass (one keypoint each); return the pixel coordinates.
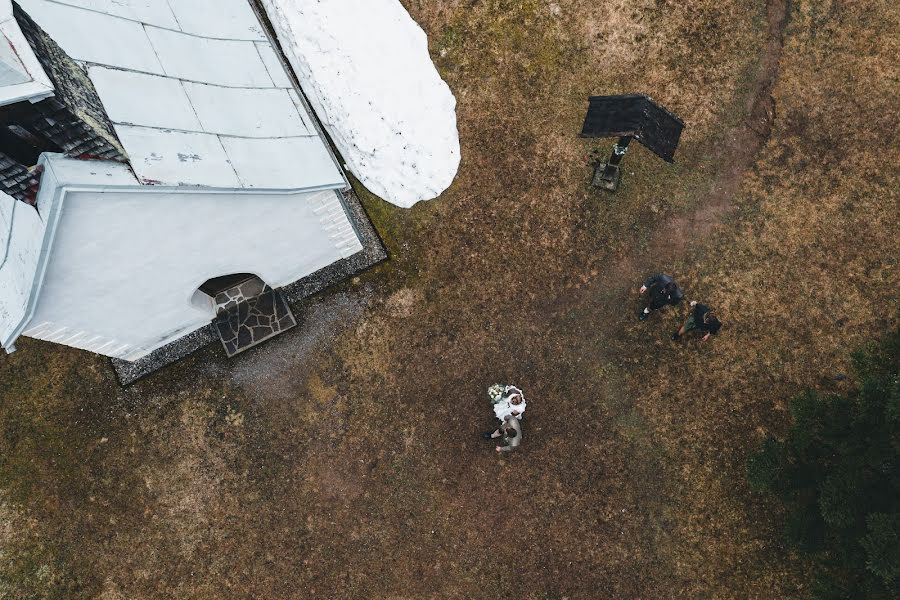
(508, 402)
(662, 291)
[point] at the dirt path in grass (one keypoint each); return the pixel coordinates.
(741, 149)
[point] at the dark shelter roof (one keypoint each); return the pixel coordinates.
(636, 115)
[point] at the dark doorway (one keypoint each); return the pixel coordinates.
(217, 285)
(19, 139)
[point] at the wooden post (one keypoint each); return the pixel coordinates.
(607, 175)
(619, 151)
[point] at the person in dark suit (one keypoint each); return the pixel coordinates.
(661, 291)
(702, 319)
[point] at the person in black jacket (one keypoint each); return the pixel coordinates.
(701, 318)
(662, 291)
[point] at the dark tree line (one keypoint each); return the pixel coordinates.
(838, 474)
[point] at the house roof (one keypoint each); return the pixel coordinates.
(21, 75)
(195, 90)
(21, 239)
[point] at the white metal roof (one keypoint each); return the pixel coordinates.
(21, 75)
(21, 238)
(51, 257)
(195, 91)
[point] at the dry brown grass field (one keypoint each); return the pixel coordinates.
(342, 459)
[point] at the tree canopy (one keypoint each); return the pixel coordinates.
(836, 471)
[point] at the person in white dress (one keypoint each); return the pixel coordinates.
(507, 401)
(511, 401)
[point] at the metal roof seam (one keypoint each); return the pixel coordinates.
(263, 61)
(199, 189)
(190, 103)
(159, 61)
(225, 135)
(172, 11)
(90, 63)
(231, 163)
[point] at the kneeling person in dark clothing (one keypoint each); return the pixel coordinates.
(511, 432)
(702, 319)
(663, 291)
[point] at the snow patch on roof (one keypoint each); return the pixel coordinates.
(365, 67)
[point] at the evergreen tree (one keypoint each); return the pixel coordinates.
(838, 474)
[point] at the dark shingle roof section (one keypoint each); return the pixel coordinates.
(57, 123)
(15, 179)
(72, 87)
(634, 115)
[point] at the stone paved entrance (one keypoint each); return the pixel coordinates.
(250, 313)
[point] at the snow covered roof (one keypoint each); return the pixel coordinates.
(195, 91)
(21, 75)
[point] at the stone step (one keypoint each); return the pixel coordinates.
(246, 321)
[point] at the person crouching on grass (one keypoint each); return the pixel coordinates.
(663, 291)
(511, 432)
(702, 319)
